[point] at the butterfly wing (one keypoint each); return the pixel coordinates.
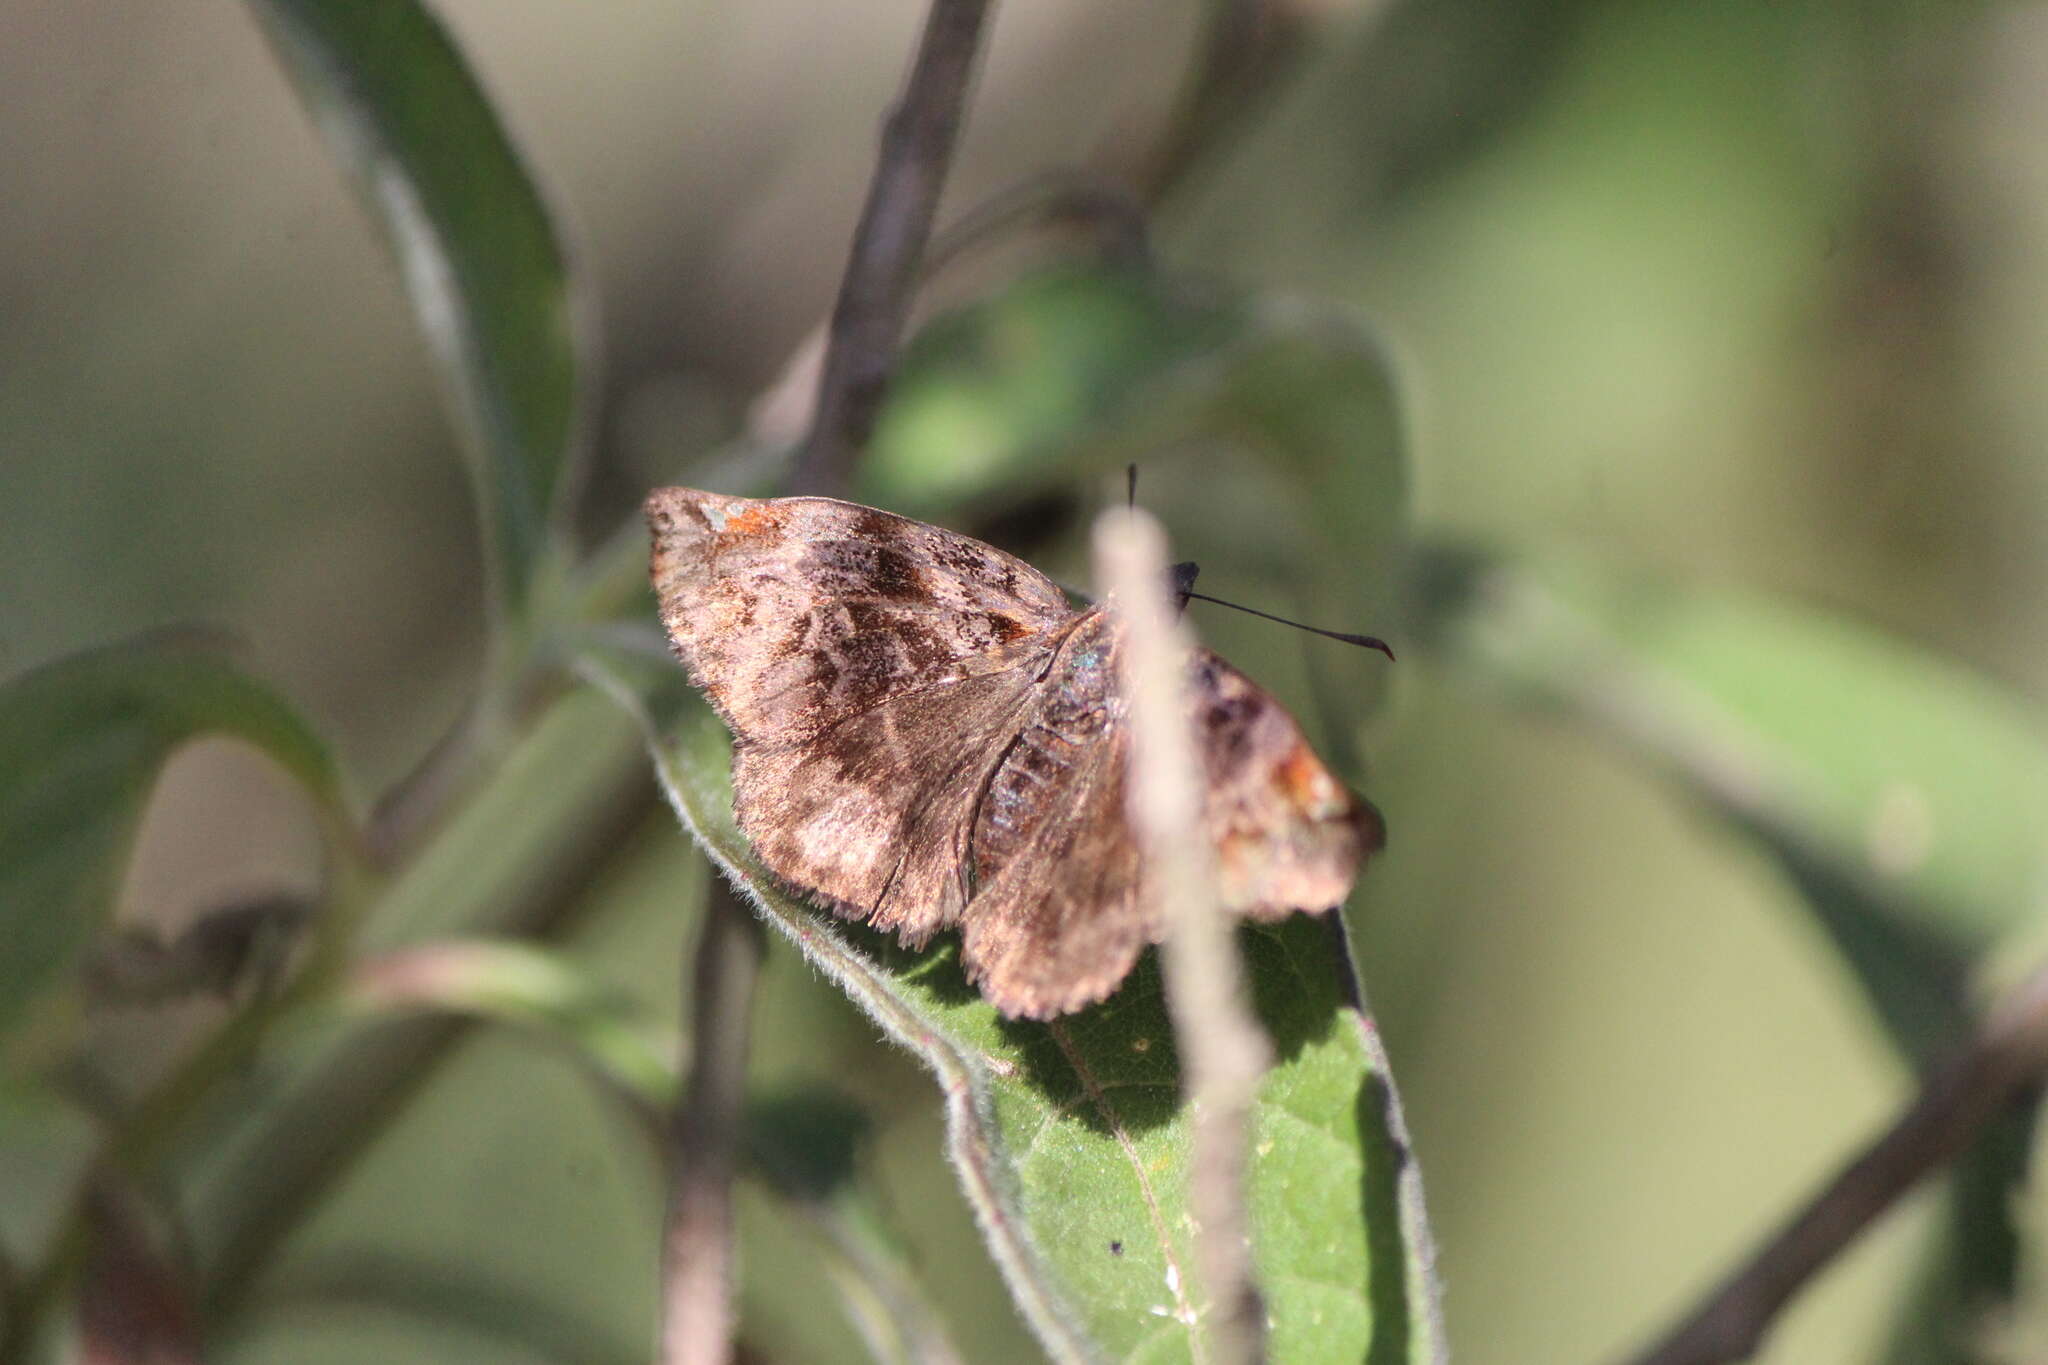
(794, 613)
(869, 667)
(1056, 919)
(872, 815)
(1288, 835)
(1062, 906)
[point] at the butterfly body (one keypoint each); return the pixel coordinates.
(927, 735)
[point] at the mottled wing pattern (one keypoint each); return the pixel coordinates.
(795, 613)
(1288, 835)
(1057, 918)
(870, 667)
(872, 814)
(1062, 906)
(1061, 924)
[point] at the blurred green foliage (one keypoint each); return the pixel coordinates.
(1702, 371)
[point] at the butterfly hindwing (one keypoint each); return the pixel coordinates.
(1058, 916)
(873, 813)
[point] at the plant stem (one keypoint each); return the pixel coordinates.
(697, 1241)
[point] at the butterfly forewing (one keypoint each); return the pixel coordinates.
(793, 613)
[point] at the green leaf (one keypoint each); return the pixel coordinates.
(489, 278)
(1904, 794)
(991, 397)
(81, 742)
(1071, 1143)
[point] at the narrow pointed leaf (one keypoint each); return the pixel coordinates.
(483, 262)
(1903, 795)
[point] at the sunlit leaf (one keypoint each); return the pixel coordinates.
(1071, 1142)
(489, 279)
(81, 742)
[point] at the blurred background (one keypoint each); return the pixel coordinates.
(1744, 295)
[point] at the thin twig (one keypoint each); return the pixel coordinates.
(874, 296)
(698, 1239)
(135, 1306)
(1220, 1043)
(2008, 1056)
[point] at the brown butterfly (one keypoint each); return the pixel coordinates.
(927, 735)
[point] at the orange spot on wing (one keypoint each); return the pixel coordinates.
(1306, 780)
(759, 520)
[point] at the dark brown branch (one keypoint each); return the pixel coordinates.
(697, 1240)
(881, 269)
(1957, 1101)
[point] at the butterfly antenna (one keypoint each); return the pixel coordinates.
(1131, 484)
(1362, 641)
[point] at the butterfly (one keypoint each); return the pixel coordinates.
(927, 735)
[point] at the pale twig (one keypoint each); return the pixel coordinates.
(697, 1240)
(881, 269)
(1221, 1046)
(2008, 1055)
